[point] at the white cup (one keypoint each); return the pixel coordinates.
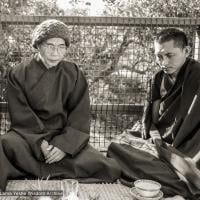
(69, 188)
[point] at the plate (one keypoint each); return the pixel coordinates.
(139, 197)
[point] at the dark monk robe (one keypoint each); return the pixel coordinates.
(175, 160)
(53, 105)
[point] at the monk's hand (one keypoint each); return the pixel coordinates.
(55, 155)
(144, 135)
(156, 138)
(44, 148)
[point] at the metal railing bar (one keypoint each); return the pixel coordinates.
(101, 21)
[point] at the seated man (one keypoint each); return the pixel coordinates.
(171, 121)
(49, 108)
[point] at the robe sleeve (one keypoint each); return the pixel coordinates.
(24, 121)
(152, 95)
(75, 134)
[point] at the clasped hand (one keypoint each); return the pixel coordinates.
(51, 153)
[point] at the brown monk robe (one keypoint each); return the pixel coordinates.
(175, 163)
(51, 104)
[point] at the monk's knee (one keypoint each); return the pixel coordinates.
(12, 143)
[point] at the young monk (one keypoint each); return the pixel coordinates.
(49, 108)
(171, 121)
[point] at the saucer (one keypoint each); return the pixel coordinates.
(139, 197)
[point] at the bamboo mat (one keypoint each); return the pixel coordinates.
(103, 191)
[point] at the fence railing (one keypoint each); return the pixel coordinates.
(102, 21)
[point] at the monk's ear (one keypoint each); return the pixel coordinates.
(187, 50)
(39, 46)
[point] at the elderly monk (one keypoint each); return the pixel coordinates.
(171, 121)
(49, 108)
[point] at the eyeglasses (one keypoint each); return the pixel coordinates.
(51, 47)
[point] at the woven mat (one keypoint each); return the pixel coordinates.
(105, 191)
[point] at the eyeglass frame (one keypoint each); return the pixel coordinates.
(51, 47)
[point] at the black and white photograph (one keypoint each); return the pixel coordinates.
(99, 100)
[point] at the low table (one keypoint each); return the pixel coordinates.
(106, 191)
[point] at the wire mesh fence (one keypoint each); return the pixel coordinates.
(116, 55)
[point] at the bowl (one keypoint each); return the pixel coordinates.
(147, 188)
